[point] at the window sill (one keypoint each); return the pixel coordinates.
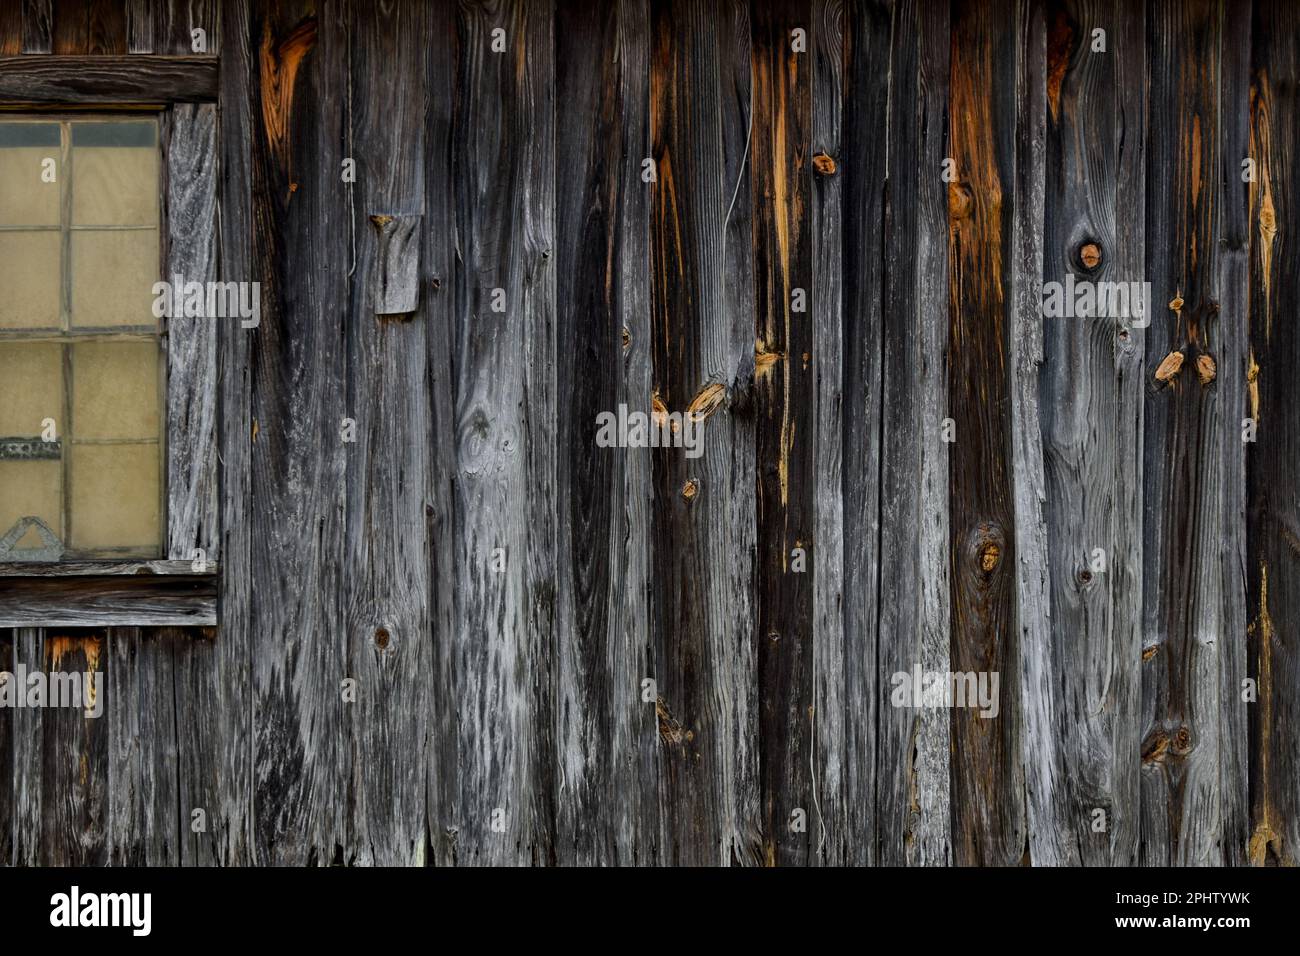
(107, 594)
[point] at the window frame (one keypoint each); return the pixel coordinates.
(67, 333)
(181, 587)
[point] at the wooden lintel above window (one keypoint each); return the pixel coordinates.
(107, 594)
(27, 81)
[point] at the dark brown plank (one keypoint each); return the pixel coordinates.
(988, 781)
(1273, 394)
(106, 80)
(781, 165)
(1192, 801)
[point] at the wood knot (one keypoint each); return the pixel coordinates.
(1182, 741)
(824, 164)
(1205, 368)
(627, 339)
(690, 489)
(990, 554)
(670, 729)
(381, 638)
(959, 200)
(707, 401)
(1170, 366)
(1090, 255)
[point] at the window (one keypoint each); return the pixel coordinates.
(82, 368)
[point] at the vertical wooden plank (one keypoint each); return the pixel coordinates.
(140, 26)
(212, 676)
(866, 37)
(38, 26)
(106, 27)
(190, 212)
(441, 245)
(1094, 554)
(988, 781)
(704, 663)
(738, 682)
(8, 804)
(387, 613)
(1229, 565)
(505, 388)
(606, 733)
(143, 824)
(74, 805)
(912, 784)
(785, 435)
(827, 817)
(71, 27)
(1190, 795)
(11, 29)
(300, 236)
(174, 23)
(1273, 459)
(28, 725)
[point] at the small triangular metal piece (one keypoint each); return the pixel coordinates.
(51, 551)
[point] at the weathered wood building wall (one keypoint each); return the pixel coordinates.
(499, 714)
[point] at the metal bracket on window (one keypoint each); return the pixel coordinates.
(30, 449)
(52, 550)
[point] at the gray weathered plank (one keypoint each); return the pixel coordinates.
(827, 817)
(504, 361)
(144, 823)
(298, 406)
(191, 252)
(606, 738)
(386, 572)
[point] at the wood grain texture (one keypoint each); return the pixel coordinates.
(499, 714)
(190, 212)
(107, 80)
(607, 734)
(704, 641)
(95, 601)
(829, 764)
(785, 407)
(298, 405)
(988, 782)
(1089, 393)
(913, 790)
(505, 383)
(1273, 516)
(1193, 801)
(386, 570)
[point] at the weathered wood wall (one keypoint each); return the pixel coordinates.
(500, 588)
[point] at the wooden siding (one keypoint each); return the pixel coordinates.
(453, 630)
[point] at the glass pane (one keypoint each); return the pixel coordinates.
(115, 498)
(29, 280)
(31, 488)
(26, 198)
(31, 388)
(115, 389)
(115, 174)
(113, 274)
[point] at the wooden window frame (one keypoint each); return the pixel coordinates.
(173, 590)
